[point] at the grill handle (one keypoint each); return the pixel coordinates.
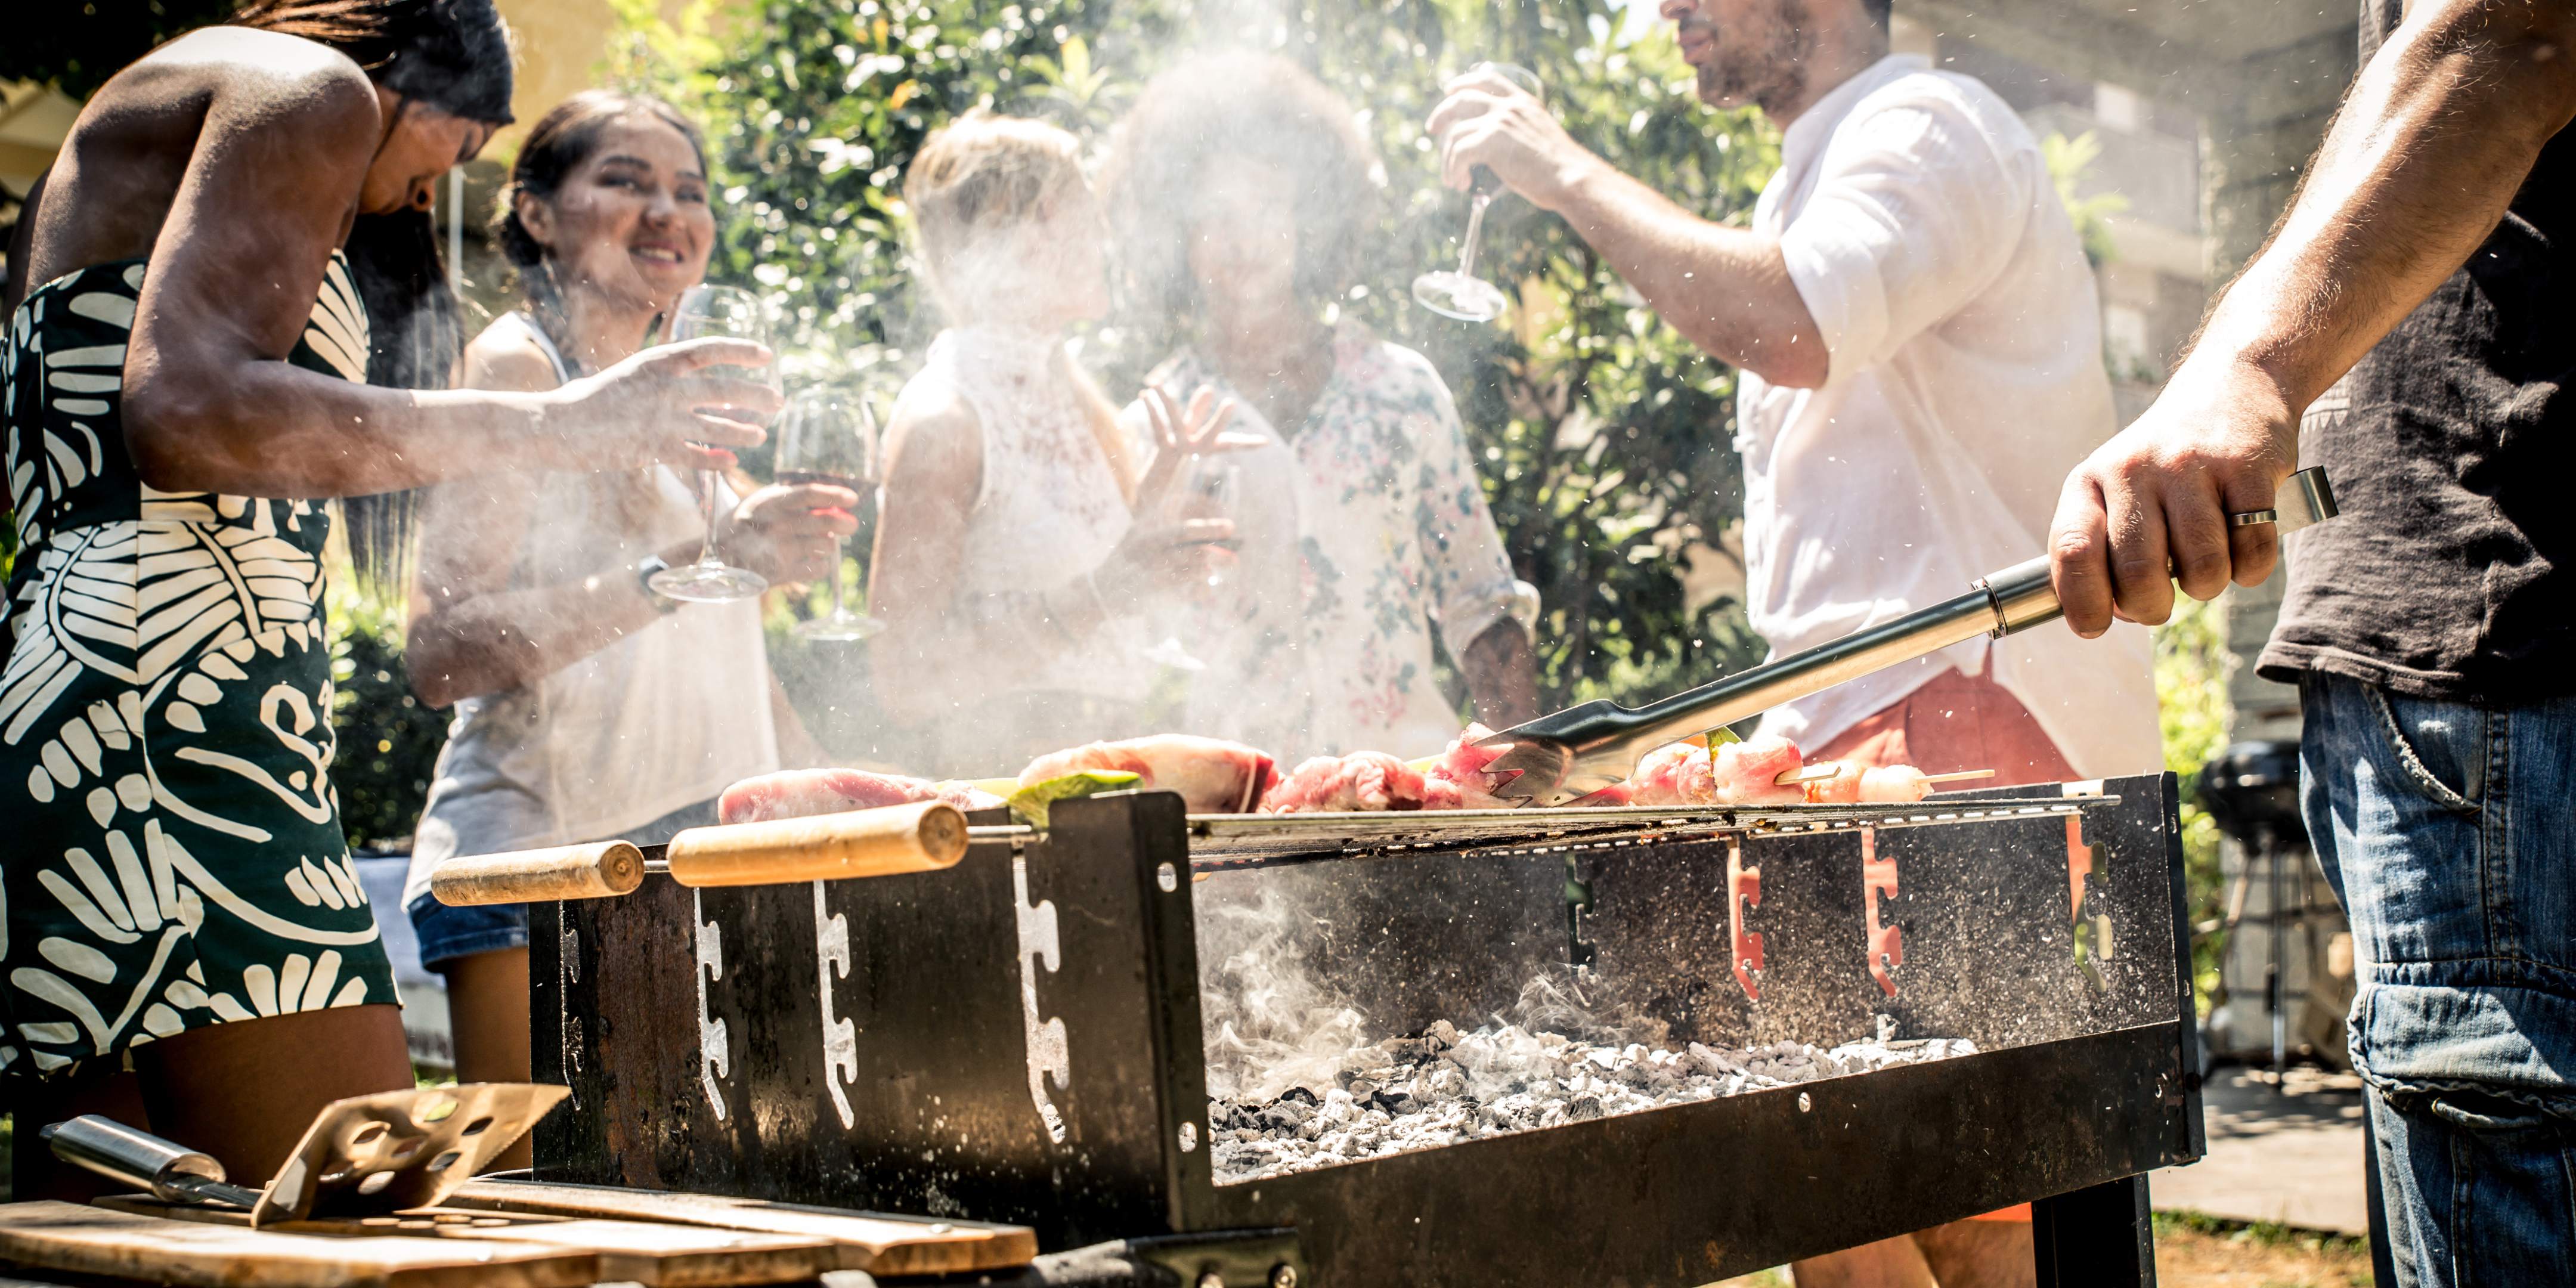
(2001, 604)
(920, 837)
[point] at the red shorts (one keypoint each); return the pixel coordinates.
(1956, 722)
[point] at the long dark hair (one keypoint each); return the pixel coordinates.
(452, 55)
(416, 333)
(557, 145)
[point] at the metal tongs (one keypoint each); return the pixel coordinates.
(1561, 758)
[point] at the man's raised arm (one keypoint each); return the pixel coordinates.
(2438, 134)
(1725, 289)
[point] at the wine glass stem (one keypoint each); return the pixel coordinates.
(707, 507)
(1475, 225)
(838, 610)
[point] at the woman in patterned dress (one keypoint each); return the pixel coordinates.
(187, 948)
(1244, 189)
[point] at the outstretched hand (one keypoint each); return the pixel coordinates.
(2149, 508)
(1181, 433)
(685, 404)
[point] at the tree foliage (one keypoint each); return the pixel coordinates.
(1602, 435)
(78, 44)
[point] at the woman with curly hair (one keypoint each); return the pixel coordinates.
(1244, 193)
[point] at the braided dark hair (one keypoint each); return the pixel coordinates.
(557, 145)
(453, 55)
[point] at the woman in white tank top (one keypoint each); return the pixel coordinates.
(1016, 532)
(586, 706)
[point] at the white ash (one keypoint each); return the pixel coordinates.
(1444, 1086)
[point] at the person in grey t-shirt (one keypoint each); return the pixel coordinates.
(2412, 306)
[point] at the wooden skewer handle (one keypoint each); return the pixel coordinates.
(597, 870)
(920, 837)
(1959, 777)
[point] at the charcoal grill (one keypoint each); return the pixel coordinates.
(1018, 1038)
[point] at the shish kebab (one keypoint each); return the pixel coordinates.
(1555, 760)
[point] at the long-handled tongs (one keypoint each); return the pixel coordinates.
(1560, 758)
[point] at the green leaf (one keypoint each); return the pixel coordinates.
(1030, 802)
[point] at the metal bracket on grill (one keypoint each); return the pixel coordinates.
(715, 1051)
(1886, 940)
(840, 1036)
(1049, 1055)
(1743, 890)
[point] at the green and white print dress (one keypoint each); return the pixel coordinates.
(170, 845)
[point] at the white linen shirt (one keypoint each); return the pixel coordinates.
(1923, 232)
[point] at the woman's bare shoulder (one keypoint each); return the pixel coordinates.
(507, 356)
(933, 428)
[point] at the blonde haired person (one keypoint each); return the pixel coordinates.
(1009, 548)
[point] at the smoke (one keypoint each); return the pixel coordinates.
(1271, 1022)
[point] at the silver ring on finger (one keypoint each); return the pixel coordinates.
(2253, 518)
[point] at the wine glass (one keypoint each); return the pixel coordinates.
(723, 311)
(1209, 493)
(829, 437)
(1462, 294)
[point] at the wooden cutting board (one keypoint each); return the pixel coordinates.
(649, 1253)
(874, 1242)
(123, 1245)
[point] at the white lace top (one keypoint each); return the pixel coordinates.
(1050, 510)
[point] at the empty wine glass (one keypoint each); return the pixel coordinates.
(1210, 492)
(1461, 294)
(736, 313)
(829, 437)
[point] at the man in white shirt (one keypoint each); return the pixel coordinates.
(1921, 351)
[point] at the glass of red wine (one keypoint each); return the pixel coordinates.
(1459, 293)
(736, 313)
(828, 437)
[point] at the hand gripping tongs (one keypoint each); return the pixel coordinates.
(1560, 758)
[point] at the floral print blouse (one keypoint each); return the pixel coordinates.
(1393, 542)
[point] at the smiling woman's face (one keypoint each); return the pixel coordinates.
(630, 222)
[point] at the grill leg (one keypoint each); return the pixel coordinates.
(2101, 1237)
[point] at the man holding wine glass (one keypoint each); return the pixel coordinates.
(1919, 337)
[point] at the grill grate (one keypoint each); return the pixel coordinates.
(1221, 842)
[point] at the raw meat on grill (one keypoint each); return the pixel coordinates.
(1853, 783)
(1742, 773)
(1212, 776)
(1748, 772)
(1458, 779)
(798, 793)
(1362, 780)
(1677, 773)
(1896, 784)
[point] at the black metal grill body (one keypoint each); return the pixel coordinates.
(2083, 1077)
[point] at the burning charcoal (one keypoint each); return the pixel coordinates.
(1583, 1109)
(1442, 1034)
(1301, 1095)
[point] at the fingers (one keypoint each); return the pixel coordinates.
(810, 496)
(754, 399)
(2141, 583)
(693, 457)
(1462, 100)
(2079, 552)
(2254, 549)
(1159, 414)
(697, 355)
(2196, 533)
(713, 430)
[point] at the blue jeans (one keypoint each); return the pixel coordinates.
(2449, 832)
